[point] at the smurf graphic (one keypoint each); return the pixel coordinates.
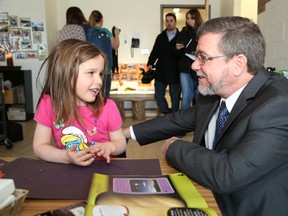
(74, 136)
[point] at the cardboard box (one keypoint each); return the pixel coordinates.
(15, 208)
(10, 96)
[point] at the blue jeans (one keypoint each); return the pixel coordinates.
(174, 91)
(189, 89)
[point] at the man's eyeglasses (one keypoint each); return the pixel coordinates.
(202, 58)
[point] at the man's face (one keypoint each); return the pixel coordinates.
(170, 23)
(214, 74)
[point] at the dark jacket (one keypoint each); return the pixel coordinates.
(167, 64)
(248, 170)
(184, 37)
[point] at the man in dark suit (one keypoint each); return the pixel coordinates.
(247, 166)
(164, 56)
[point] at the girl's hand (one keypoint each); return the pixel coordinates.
(104, 150)
(81, 158)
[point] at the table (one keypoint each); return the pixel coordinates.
(34, 206)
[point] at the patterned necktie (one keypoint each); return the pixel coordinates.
(222, 117)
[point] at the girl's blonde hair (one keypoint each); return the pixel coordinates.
(61, 77)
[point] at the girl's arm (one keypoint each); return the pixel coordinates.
(43, 149)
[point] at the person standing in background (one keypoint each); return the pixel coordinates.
(75, 20)
(96, 21)
(164, 52)
(186, 44)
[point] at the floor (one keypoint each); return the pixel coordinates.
(24, 148)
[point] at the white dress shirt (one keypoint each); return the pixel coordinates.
(210, 132)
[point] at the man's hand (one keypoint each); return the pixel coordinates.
(179, 46)
(167, 143)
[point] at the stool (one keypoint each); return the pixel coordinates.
(138, 109)
(120, 105)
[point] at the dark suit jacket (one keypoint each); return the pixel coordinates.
(164, 51)
(248, 171)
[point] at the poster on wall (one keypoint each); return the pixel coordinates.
(4, 27)
(31, 54)
(26, 45)
(4, 39)
(2, 56)
(25, 22)
(16, 32)
(20, 55)
(15, 42)
(21, 36)
(37, 37)
(4, 17)
(42, 51)
(26, 34)
(13, 20)
(37, 26)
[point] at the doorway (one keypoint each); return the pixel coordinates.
(180, 12)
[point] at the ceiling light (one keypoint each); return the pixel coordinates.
(176, 10)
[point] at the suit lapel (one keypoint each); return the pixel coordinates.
(204, 114)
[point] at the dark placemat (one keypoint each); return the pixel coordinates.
(46, 180)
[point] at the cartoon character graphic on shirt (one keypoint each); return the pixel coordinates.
(74, 136)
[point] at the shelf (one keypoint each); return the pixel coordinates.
(20, 77)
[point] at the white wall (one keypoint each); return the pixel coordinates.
(226, 7)
(138, 19)
(245, 8)
(274, 25)
(51, 19)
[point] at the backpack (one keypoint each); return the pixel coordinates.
(101, 40)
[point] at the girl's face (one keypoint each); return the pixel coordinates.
(190, 21)
(89, 80)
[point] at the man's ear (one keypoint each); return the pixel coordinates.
(240, 64)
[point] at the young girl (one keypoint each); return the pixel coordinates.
(72, 109)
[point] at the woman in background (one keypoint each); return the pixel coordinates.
(73, 29)
(186, 44)
(96, 21)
